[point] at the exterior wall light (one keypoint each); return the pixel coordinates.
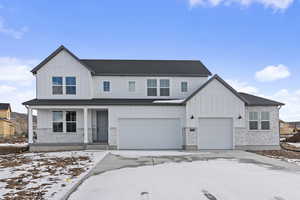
(192, 117)
(240, 117)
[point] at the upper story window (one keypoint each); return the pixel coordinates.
(70, 85)
(265, 121)
(106, 86)
(184, 86)
(131, 86)
(57, 85)
(57, 121)
(253, 120)
(164, 85)
(151, 87)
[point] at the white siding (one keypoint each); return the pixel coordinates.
(215, 100)
(63, 64)
(119, 86)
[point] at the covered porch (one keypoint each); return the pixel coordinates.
(71, 127)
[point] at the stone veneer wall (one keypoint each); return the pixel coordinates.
(246, 137)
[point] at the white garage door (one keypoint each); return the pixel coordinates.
(150, 134)
(215, 133)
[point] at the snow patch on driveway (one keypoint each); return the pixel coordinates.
(221, 179)
(136, 154)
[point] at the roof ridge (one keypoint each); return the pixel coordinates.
(96, 59)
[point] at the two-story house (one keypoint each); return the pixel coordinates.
(7, 127)
(144, 104)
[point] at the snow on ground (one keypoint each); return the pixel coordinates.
(135, 154)
(13, 145)
(198, 180)
(294, 144)
(44, 175)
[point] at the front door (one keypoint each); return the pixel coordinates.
(102, 127)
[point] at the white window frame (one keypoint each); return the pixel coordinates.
(187, 86)
(60, 121)
(134, 86)
(157, 94)
(64, 120)
(71, 121)
(62, 84)
(161, 87)
(261, 120)
(251, 120)
(109, 82)
(70, 85)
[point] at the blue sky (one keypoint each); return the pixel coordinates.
(253, 44)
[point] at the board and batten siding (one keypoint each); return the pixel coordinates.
(119, 86)
(215, 101)
(44, 127)
(63, 64)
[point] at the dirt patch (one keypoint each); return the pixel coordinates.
(14, 139)
(280, 154)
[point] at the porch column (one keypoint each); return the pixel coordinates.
(85, 119)
(30, 126)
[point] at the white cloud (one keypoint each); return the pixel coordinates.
(242, 86)
(16, 70)
(16, 97)
(16, 81)
(291, 110)
(275, 4)
(272, 73)
(4, 89)
(17, 34)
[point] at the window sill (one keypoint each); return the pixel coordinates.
(259, 130)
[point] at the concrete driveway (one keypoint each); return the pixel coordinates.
(213, 175)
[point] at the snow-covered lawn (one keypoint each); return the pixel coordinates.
(13, 145)
(43, 175)
(218, 179)
(294, 144)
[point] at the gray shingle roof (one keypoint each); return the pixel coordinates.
(136, 67)
(4, 106)
(91, 102)
(148, 67)
(259, 101)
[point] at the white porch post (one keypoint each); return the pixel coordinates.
(30, 126)
(85, 118)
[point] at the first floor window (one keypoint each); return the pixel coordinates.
(106, 86)
(57, 121)
(164, 85)
(184, 86)
(70, 85)
(253, 120)
(57, 85)
(151, 87)
(71, 121)
(265, 120)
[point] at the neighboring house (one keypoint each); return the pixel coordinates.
(286, 128)
(144, 104)
(7, 127)
(20, 122)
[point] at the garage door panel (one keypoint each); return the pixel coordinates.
(215, 133)
(150, 134)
